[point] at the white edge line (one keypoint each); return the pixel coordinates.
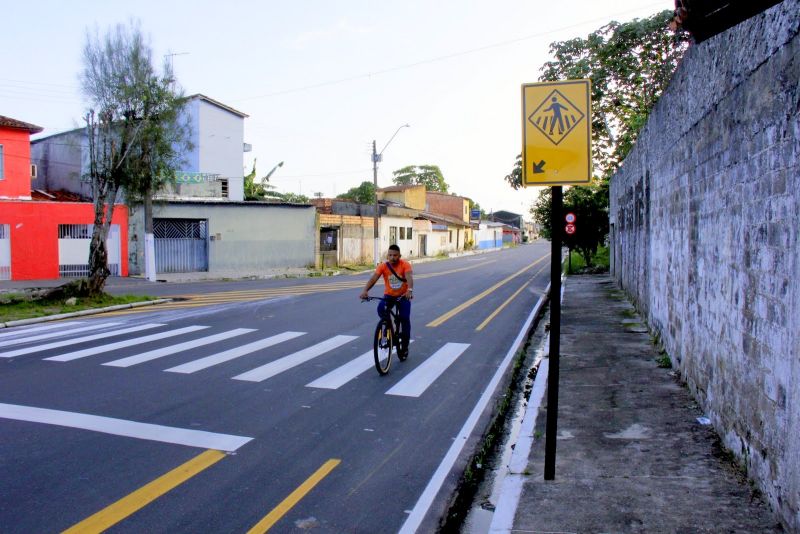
(435, 484)
(122, 427)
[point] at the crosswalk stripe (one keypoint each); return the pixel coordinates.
(344, 374)
(233, 353)
(16, 332)
(68, 357)
(347, 372)
(180, 347)
(62, 332)
(416, 382)
(271, 369)
(58, 344)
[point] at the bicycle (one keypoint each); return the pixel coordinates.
(388, 336)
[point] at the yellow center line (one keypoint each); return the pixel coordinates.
(458, 309)
(289, 502)
(114, 513)
(507, 302)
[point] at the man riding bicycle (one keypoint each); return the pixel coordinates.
(398, 280)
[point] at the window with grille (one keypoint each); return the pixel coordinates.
(2, 175)
(402, 232)
(408, 233)
(75, 231)
(180, 228)
(392, 235)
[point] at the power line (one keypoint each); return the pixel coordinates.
(436, 59)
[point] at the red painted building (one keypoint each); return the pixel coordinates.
(42, 236)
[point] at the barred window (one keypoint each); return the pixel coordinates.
(4, 231)
(75, 231)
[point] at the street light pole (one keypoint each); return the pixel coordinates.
(376, 157)
(375, 233)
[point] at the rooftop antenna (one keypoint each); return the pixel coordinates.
(171, 58)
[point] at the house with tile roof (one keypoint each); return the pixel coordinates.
(44, 235)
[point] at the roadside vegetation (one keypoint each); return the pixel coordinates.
(17, 306)
(576, 263)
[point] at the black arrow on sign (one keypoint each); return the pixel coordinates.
(538, 167)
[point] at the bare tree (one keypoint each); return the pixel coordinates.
(134, 134)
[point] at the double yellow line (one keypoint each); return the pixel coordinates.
(123, 508)
(458, 309)
(248, 295)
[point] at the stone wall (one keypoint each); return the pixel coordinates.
(704, 228)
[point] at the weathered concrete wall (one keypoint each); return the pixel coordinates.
(705, 226)
(248, 236)
(355, 237)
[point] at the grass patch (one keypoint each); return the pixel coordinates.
(664, 361)
(575, 263)
(17, 306)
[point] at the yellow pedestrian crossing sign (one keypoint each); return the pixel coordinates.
(556, 133)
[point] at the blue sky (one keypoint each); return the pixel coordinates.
(321, 79)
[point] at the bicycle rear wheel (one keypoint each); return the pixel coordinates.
(382, 346)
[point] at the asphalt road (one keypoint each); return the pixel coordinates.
(122, 423)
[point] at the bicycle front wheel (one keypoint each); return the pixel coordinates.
(401, 343)
(382, 346)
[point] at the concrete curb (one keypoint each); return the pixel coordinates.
(94, 311)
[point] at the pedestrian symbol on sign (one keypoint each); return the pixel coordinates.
(556, 117)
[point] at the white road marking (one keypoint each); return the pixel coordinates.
(287, 362)
(51, 326)
(122, 427)
(347, 372)
(77, 340)
(180, 347)
(425, 500)
(222, 357)
(344, 374)
(68, 357)
(416, 382)
(62, 332)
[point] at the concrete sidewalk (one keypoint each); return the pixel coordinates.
(634, 454)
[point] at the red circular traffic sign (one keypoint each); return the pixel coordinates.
(570, 229)
(570, 217)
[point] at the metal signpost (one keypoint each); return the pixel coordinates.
(556, 151)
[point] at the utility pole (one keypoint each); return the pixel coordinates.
(376, 157)
(375, 234)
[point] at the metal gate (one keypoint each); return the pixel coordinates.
(181, 245)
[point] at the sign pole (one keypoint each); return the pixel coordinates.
(555, 335)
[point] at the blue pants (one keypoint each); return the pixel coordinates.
(405, 314)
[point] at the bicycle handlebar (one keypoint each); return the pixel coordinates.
(381, 298)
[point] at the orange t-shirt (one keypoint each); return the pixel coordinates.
(392, 285)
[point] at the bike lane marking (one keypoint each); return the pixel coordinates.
(116, 512)
(463, 306)
(293, 498)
